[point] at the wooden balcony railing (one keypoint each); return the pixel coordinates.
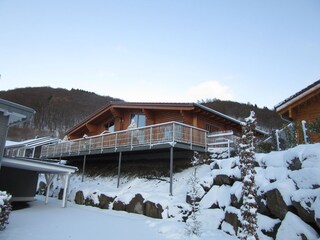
(126, 140)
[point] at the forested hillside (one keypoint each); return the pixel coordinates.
(267, 119)
(59, 109)
(56, 109)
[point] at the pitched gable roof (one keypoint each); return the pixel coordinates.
(310, 90)
(160, 105)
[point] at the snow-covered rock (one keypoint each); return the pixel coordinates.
(293, 228)
(282, 183)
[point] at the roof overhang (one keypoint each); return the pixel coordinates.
(38, 166)
(159, 106)
(307, 93)
(129, 105)
(16, 112)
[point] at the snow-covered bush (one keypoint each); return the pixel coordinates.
(249, 209)
(5, 209)
(193, 225)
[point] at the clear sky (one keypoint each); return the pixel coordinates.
(163, 50)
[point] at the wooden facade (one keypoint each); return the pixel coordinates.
(304, 105)
(117, 116)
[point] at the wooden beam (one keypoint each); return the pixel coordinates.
(118, 118)
(116, 113)
(91, 127)
(149, 115)
(186, 116)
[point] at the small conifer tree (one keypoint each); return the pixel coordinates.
(193, 225)
(248, 228)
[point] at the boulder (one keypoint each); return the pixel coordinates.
(119, 206)
(79, 198)
(276, 204)
(235, 202)
(294, 164)
(135, 205)
(188, 199)
(223, 179)
(292, 227)
(42, 188)
(262, 205)
(104, 201)
(305, 214)
(317, 222)
(232, 219)
(89, 202)
(92, 200)
(214, 165)
(272, 232)
(153, 210)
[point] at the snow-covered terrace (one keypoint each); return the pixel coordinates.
(165, 135)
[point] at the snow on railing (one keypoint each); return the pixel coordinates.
(171, 132)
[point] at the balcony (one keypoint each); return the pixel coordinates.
(165, 135)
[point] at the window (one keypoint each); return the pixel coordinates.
(139, 119)
(211, 128)
(109, 126)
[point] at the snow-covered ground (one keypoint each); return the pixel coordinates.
(78, 222)
(51, 222)
(41, 221)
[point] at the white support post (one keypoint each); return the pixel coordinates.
(131, 139)
(277, 140)
(150, 137)
(101, 143)
(304, 130)
(228, 148)
(33, 150)
(191, 140)
(173, 132)
(115, 142)
(49, 179)
(65, 190)
(69, 148)
(90, 143)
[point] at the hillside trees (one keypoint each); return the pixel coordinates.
(268, 119)
(56, 109)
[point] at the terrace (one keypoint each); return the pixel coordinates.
(165, 135)
(170, 135)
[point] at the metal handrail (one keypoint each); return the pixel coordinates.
(169, 132)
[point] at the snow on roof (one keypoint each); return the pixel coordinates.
(30, 143)
(16, 112)
(38, 166)
(298, 95)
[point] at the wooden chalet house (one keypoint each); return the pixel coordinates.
(131, 126)
(304, 105)
(144, 131)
